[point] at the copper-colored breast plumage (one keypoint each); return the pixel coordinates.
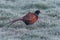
(30, 18)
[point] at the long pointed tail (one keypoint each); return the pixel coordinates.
(16, 20)
(11, 22)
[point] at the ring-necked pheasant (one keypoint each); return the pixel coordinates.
(29, 18)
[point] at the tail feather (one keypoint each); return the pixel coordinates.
(11, 22)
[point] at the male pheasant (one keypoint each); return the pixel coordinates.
(29, 18)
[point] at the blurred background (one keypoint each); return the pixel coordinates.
(46, 29)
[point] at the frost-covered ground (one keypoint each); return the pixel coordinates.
(46, 29)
